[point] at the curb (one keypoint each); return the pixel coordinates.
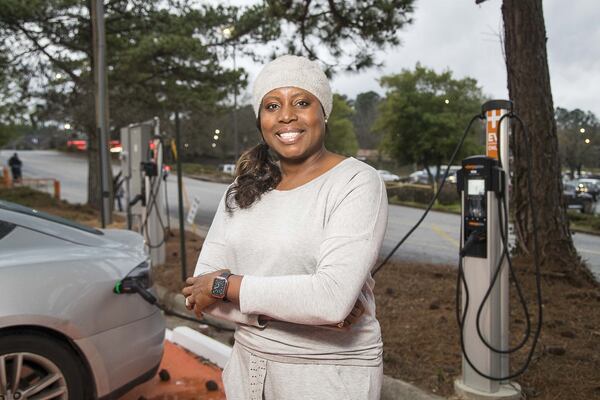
(217, 352)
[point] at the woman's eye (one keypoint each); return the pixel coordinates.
(303, 103)
(271, 106)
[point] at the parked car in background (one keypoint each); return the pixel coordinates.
(422, 177)
(590, 186)
(577, 200)
(387, 176)
(419, 177)
(64, 333)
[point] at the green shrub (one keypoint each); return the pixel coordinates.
(422, 194)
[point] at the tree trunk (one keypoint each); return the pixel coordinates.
(529, 88)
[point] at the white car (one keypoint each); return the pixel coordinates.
(419, 177)
(422, 177)
(65, 332)
(387, 176)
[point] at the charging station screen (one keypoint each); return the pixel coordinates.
(476, 187)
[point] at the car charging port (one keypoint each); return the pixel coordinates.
(137, 281)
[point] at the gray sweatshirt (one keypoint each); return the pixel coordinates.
(306, 255)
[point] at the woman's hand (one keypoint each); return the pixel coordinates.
(198, 292)
(357, 311)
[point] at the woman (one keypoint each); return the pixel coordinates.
(300, 238)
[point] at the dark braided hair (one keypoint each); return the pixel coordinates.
(256, 173)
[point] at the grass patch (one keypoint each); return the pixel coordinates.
(204, 172)
(586, 223)
(81, 213)
(448, 208)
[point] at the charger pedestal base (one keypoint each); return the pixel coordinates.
(507, 391)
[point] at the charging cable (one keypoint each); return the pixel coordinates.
(132, 285)
(435, 196)
(503, 218)
(476, 236)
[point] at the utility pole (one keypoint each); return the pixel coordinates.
(180, 198)
(229, 32)
(99, 39)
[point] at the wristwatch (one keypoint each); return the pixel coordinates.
(219, 287)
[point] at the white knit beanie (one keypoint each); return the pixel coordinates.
(288, 71)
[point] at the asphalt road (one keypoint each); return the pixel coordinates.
(436, 240)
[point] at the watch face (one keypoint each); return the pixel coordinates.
(219, 285)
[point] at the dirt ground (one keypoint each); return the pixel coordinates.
(416, 311)
(415, 306)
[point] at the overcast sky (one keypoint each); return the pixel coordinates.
(465, 38)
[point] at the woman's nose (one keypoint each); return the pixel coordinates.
(287, 113)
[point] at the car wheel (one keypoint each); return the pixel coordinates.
(37, 366)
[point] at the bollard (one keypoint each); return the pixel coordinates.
(57, 189)
(6, 177)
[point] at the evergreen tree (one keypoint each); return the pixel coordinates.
(340, 136)
(366, 108)
(578, 138)
(167, 56)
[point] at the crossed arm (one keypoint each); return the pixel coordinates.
(198, 297)
(352, 238)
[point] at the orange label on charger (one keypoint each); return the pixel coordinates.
(493, 121)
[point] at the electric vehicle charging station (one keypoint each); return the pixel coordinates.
(481, 183)
(482, 312)
(141, 166)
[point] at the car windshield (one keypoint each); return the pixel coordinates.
(7, 205)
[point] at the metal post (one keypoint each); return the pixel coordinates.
(102, 112)
(180, 198)
(236, 148)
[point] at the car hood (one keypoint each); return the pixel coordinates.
(122, 238)
(117, 239)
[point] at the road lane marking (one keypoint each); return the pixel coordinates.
(441, 233)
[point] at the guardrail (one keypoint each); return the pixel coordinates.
(43, 184)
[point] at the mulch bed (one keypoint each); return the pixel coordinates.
(421, 342)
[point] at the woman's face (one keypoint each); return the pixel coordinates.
(292, 123)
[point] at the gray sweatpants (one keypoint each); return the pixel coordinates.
(250, 377)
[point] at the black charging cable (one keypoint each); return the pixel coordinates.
(505, 253)
(155, 185)
(503, 225)
(473, 238)
(435, 196)
(132, 285)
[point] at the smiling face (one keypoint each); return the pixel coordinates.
(292, 123)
